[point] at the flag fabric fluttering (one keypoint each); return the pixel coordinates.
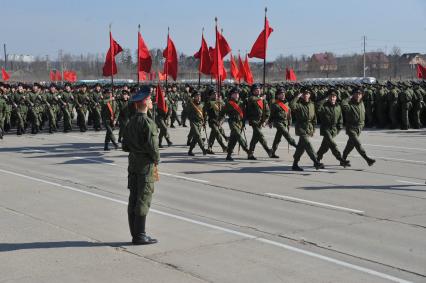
(161, 101)
(52, 76)
(260, 45)
(234, 70)
(217, 69)
(171, 63)
(144, 57)
(421, 72)
(141, 76)
(70, 76)
(248, 74)
(5, 75)
(161, 76)
(241, 69)
(110, 67)
(290, 75)
(204, 56)
(58, 76)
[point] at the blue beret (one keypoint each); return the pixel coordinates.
(141, 95)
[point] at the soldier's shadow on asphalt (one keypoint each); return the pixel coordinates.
(74, 151)
(393, 187)
(9, 247)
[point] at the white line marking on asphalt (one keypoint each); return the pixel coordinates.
(32, 150)
(161, 173)
(321, 204)
(395, 159)
(78, 137)
(230, 231)
(94, 160)
(414, 183)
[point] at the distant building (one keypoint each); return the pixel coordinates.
(377, 60)
(20, 58)
(325, 62)
(412, 59)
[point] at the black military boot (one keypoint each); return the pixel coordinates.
(296, 167)
(370, 161)
(140, 237)
(273, 155)
(210, 151)
(251, 156)
(229, 158)
(169, 142)
(115, 145)
(131, 218)
(318, 165)
(204, 151)
(106, 148)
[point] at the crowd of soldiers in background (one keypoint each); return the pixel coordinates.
(32, 108)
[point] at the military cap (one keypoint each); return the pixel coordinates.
(305, 90)
(67, 84)
(356, 90)
(280, 90)
(53, 85)
(37, 85)
(142, 94)
(255, 86)
(234, 90)
(196, 93)
(331, 92)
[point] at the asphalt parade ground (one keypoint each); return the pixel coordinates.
(63, 213)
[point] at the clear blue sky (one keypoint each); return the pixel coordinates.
(43, 27)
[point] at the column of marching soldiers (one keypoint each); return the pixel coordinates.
(36, 107)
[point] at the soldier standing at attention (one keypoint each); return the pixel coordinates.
(109, 117)
(330, 115)
(304, 112)
(257, 115)
(354, 113)
(141, 142)
(280, 119)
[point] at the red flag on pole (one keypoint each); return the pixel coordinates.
(144, 57)
(234, 70)
(52, 76)
(241, 69)
(142, 76)
(4, 75)
(70, 76)
(290, 75)
(204, 56)
(58, 76)
(161, 100)
(110, 68)
(161, 76)
(248, 74)
(218, 69)
(223, 45)
(421, 72)
(259, 47)
(171, 64)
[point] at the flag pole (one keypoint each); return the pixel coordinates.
(167, 60)
(137, 67)
(201, 58)
(112, 60)
(264, 59)
(239, 75)
(217, 60)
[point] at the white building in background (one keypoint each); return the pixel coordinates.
(20, 58)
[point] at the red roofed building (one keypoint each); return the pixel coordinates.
(323, 62)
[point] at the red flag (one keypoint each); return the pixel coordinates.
(142, 76)
(259, 47)
(223, 45)
(421, 72)
(204, 56)
(171, 64)
(161, 76)
(52, 76)
(290, 75)
(161, 101)
(70, 76)
(234, 70)
(110, 68)
(241, 69)
(152, 76)
(249, 76)
(58, 76)
(144, 57)
(4, 75)
(218, 69)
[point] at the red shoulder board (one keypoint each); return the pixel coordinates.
(237, 108)
(283, 106)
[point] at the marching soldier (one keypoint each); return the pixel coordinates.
(109, 115)
(185, 97)
(173, 97)
(140, 141)
(304, 113)
(234, 110)
(213, 108)
(196, 117)
(95, 98)
(330, 115)
(257, 115)
(354, 113)
(281, 120)
(418, 105)
(124, 110)
(67, 100)
(163, 113)
(81, 102)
